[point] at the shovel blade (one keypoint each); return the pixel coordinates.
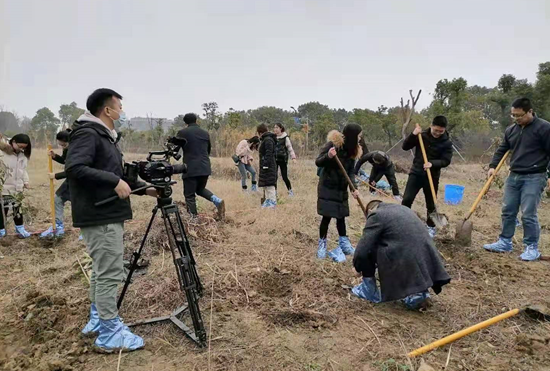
(538, 312)
(463, 234)
(440, 220)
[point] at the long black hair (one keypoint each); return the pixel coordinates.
(351, 138)
(280, 126)
(63, 136)
(23, 139)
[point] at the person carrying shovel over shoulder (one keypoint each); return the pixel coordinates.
(439, 150)
(381, 166)
(529, 140)
(396, 243)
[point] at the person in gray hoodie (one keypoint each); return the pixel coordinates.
(529, 140)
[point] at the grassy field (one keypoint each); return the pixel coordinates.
(268, 303)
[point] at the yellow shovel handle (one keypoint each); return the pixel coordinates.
(486, 186)
(427, 170)
(462, 333)
(52, 204)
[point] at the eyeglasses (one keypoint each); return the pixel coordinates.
(517, 116)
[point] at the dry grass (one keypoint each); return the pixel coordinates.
(275, 307)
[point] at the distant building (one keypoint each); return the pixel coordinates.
(144, 123)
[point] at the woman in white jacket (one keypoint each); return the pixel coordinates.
(244, 154)
(15, 155)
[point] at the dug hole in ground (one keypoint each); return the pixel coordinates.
(274, 307)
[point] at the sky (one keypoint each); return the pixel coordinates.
(168, 57)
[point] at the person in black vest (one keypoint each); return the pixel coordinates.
(196, 155)
(381, 166)
(439, 150)
(332, 190)
(268, 166)
(283, 151)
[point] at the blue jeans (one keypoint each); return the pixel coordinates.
(525, 191)
(243, 169)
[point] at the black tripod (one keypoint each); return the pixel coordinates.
(184, 262)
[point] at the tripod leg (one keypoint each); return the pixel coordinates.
(135, 258)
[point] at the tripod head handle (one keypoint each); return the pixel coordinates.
(111, 199)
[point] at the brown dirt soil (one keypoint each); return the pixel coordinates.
(274, 306)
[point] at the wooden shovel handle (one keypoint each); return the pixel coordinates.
(427, 170)
(351, 186)
(486, 186)
(52, 189)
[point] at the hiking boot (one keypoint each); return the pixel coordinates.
(2, 233)
(530, 253)
(21, 232)
(290, 193)
(92, 327)
(367, 290)
(220, 205)
(113, 336)
(416, 301)
(337, 255)
(432, 231)
(322, 249)
(502, 245)
(345, 244)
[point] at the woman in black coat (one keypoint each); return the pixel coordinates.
(332, 191)
(268, 166)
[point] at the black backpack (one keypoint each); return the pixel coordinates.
(281, 152)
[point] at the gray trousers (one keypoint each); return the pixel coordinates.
(104, 244)
(59, 209)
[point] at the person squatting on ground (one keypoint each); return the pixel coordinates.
(196, 155)
(283, 151)
(529, 141)
(439, 150)
(244, 159)
(332, 190)
(15, 155)
(381, 166)
(94, 167)
(62, 195)
(395, 241)
(268, 166)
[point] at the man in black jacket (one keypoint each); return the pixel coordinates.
(439, 150)
(196, 155)
(94, 168)
(529, 141)
(381, 166)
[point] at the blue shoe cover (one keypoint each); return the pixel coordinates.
(322, 249)
(530, 253)
(432, 231)
(367, 290)
(216, 200)
(415, 301)
(47, 233)
(346, 246)
(2, 233)
(254, 188)
(80, 237)
(291, 193)
(337, 255)
(113, 336)
(21, 232)
(269, 204)
(59, 230)
(92, 327)
(502, 245)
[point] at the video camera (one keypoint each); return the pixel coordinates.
(157, 169)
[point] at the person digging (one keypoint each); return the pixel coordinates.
(381, 166)
(529, 141)
(396, 243)
(439, 151)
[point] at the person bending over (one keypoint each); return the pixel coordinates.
(381, 166)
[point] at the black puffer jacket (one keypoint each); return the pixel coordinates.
(196, 153)
(94, 167)
(268, 164)
(438, 150)
(332, 191)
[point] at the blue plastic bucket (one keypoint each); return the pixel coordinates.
(453, 194)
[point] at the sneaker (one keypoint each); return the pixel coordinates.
(502, 245)
(530, 253)
(92, 327)
(21, 232)
(322, 248)
(254, 188)
(337, 255)
(398, 198)
(416, 301)
(290, 193)
(367, 290)
(114, 336)
(432, 231)
(2, 233)
(345, 245)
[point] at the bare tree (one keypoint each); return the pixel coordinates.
(407, 111)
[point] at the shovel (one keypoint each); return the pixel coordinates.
(440, 220)
(350, 183)
(464, 228)
(536, 312)
(52, 189)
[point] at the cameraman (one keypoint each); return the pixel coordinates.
(196, 156)
(94, 168)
